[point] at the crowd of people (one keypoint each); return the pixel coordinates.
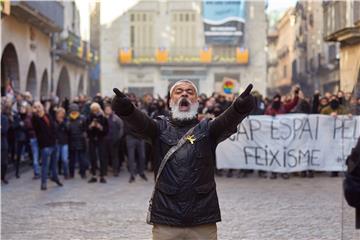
(84, 136)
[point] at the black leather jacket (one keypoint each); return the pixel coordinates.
(352, 177)
(186, 191)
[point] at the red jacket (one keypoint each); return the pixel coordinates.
(284, 107)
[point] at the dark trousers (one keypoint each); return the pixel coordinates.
(96, 151)
(122, 151)
(135, 147)
(4, 162)
(77, 156)
(20, 146)
(149, 157)
(111, 154)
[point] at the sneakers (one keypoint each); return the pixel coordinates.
(102, 180)
(35, 177)
(285, 176)
(43, 187)
(92, 180)
(4, 181)
(219, 172)
(262, 174)
(57, 181)
(273, 175)
(143, 177)
(132, 179)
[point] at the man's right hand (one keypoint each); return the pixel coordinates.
(121, 104)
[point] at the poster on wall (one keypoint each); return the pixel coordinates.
(227, 83)
(230, 85)
(224, 21)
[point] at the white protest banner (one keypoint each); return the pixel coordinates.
(290, 143)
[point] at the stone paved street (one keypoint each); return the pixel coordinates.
(252, 208)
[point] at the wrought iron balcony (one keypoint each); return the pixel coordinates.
(77, 51)
(48, 16)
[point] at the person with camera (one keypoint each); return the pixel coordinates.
(97, 128)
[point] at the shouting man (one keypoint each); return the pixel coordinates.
(184, 204)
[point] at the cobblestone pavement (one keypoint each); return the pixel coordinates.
(252, 208)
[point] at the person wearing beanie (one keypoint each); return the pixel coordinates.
(184, 204)
(77, 141)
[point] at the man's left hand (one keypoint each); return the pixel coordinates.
(245, 103)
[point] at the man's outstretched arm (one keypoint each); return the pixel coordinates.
(136, 119)
(226, 124)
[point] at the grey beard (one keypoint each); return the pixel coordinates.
(176, 114)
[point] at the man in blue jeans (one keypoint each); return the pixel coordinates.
(33, 142)
(62, 146)
(45, 132)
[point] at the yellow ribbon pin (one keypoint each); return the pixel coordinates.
(191, 139)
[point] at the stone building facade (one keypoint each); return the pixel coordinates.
(302, 54)
(342, 25)
(177, 26)
(41, 51)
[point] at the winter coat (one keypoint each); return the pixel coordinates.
(45, 132)
(20, 128)
(94, 133)
(62, 132)
(352, 177)
(4, 132)
(185, 194)
(76, 131)
(116, 128)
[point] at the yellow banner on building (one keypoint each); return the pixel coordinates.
(242, 55)
(88, 53)
(206, 55)
(161, 55)
(125, 55)
(80, 50)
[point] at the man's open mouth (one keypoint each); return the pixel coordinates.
(184, 105)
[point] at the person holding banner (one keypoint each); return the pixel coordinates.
(277, 107)
(184, 203)
(334, 109)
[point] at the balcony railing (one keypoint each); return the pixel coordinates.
(75, 50)
(48, 16)
(337, 26)
(205, 55)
